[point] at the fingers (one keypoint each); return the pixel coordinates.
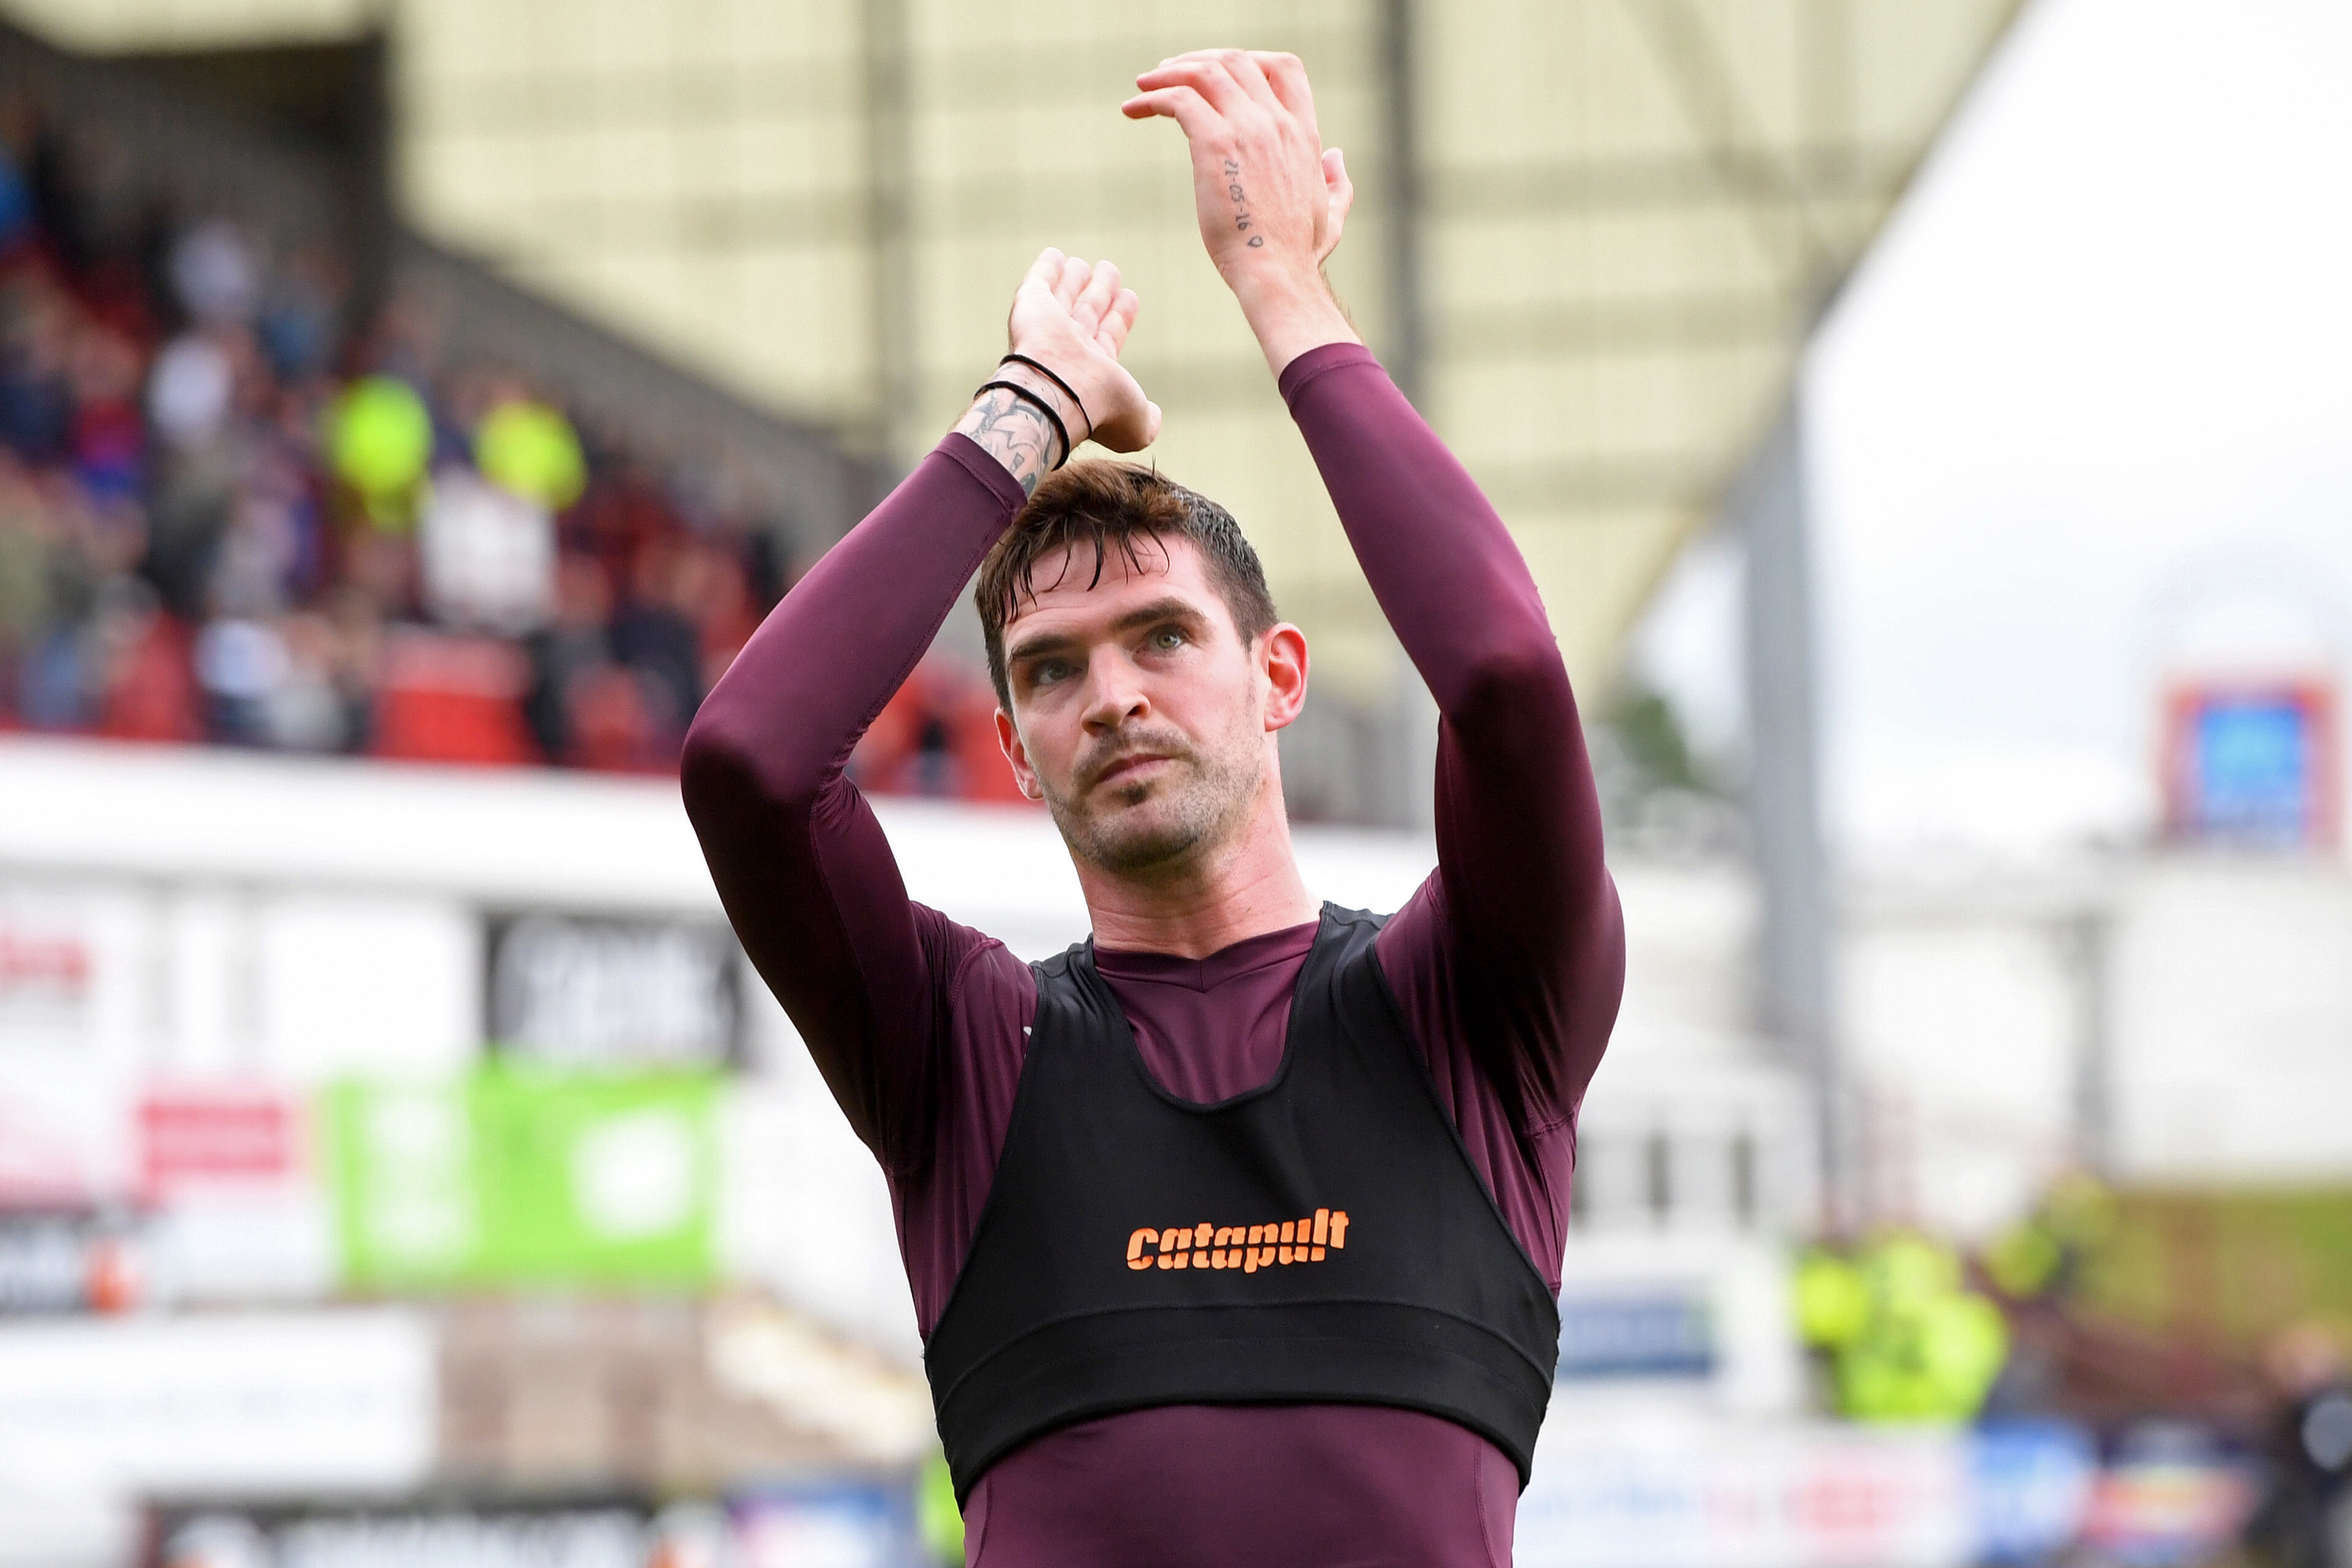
(1117, 323)
(1046, 268)
(1231, 76)
(1095, 298)
(1181, 104)
(1244, 67)
(1071, 280)
(1288, 76)
(1206, 76)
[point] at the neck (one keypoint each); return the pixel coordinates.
(1246, 887)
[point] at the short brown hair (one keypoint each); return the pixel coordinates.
(1109, 506)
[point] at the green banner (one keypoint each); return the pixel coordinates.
(521, 1176)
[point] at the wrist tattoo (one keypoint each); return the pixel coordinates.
(1241, 202)
(1014, 433)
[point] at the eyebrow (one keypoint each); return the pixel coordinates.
(1169, 608)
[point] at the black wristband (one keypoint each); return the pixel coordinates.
(1043, 407)
(1068, 391)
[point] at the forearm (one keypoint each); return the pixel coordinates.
(1445, 570)
(799, 862)
(1532, 912)
(803, 691)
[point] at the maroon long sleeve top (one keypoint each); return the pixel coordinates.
(1509, 962)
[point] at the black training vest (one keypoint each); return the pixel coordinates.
(1320, 1240)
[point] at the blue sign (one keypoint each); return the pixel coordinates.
(837, 1523)
(1628, 1333)
(2254, 766)
(2030, 1481)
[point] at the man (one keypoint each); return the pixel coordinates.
(1235, 1233)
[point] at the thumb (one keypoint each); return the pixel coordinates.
(1338, 196)
(1335, 179)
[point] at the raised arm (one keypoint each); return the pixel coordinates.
(1521, 923)
(800, 862)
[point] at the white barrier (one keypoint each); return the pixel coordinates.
(1745, 1494)
(253, 1405)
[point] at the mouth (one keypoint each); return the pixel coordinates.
(1129, 768)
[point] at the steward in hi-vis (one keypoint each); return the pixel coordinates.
(1235, 1231)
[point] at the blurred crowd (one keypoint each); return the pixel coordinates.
(234, 510)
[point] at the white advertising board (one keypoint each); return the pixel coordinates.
(1745, 1494)
(253, 1405)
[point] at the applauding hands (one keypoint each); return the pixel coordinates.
(1074, 317)
(1271, 201)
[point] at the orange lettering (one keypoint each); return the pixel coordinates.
(1248, 1248)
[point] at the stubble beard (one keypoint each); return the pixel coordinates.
(1166, 823)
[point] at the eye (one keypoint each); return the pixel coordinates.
(1167, 639)
(1047, 672)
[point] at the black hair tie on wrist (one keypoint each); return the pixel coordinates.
(1043, 407)
(1068, 391)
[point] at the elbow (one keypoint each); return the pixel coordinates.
(1519, 678)
(725, 774)
(713, 769)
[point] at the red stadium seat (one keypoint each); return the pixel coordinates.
(453, 700)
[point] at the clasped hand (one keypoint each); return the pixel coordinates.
(1074, 316)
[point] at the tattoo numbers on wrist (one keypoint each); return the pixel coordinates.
(1241, 202)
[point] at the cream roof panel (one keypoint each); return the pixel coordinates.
(1630, 210)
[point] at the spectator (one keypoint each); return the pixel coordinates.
(572, 647)
(656, 637)
(487, 555)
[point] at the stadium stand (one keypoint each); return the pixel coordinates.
(276, 473)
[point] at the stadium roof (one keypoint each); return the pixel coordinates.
(1617, 224)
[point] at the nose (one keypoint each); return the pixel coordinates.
(1115, 693)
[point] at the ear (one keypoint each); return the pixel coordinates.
(1024, 777)
(1283, 662)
